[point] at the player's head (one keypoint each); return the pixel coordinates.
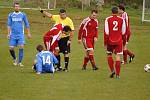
(16, 7)
(62, 13)
(121, 8)
(114, 10)
(66, 29)
(39, 48)
(94, 14)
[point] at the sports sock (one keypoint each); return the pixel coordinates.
(125, 56)
(91, 58)
(117, 68)
(66, 62)
(86, 60)
(21, 53)
(12, 52)
(110, 63)
(130, 53)
(58, 58)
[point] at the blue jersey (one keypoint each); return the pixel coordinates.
(45, 61)
(16, 23)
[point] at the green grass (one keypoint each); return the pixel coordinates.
(23, 84)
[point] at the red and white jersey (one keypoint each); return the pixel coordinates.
(114, 31)
(53, 35)
(125, 16)
(88, 28)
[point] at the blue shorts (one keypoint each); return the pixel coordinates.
(15, 41)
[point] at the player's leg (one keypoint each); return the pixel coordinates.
(110, 60)
(90, 50)
(57, 55)
(131, 54)
(66, 58)
(86, 57)
(12, 44)
(21, 43)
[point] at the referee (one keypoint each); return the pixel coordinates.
(65, 41)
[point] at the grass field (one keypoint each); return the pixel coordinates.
(23, 84)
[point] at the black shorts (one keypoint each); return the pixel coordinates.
(62, 43)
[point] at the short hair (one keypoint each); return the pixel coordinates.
(114, 10)
(16, 3)
(122, 7)
(66, 28)
(39, 47)
(62, 10)
(94, 11)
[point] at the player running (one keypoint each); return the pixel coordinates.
(16, 21)
(88, 34)
(114, 40)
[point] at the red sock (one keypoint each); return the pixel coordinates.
(129, 53)
(125, 55)
(91, 58)
(86, 60)
(110, 63)
(117, 67)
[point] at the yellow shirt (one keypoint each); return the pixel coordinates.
(66, 21)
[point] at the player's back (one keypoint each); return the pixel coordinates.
(47, 59)
(115, 29)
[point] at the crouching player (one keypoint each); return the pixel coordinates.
(114, 40)
(51, 39)
(45, 61)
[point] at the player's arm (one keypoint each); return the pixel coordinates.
(38, 65)
(106, 33)
(55, 61)
(124, 32)
(80, 32)
(96, 32)
(46, 13)
(9, 23)
(27, 26)
(72, 30)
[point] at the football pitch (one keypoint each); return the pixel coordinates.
(23, 84)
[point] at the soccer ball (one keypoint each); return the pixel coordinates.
(147, 68)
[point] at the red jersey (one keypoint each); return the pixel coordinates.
(114, 32)
(51, 37)
(88, 28)
(126, 18)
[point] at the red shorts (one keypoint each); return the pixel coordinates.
(49, 46)
(117, 49)
(88, 43)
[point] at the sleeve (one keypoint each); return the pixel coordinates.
(38, 64)
(96, 30)
(55, 61)
(54, 18)
(71, 24)
(123, 32)
(106, 32)
(26, 21)
(80, 31)
(9, 22)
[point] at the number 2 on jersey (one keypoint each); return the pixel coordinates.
(46, 60)
(115, 28)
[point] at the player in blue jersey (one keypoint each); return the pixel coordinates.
(45, 61)
(16, 22)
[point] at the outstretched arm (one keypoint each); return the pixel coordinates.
(46, 13)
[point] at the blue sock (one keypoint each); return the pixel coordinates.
(21, 52)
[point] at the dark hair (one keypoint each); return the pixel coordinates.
(94, 11)
(114, 10)
(62, 10)
(122, 7)
(66, 28)
(16, 3)
(39, 47)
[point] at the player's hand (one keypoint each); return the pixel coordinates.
(95, 39)
(8, 36)
(79, 41)
(105, 47)
(29, 35)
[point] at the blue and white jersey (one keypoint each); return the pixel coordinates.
(45, 61)
(16, 22)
